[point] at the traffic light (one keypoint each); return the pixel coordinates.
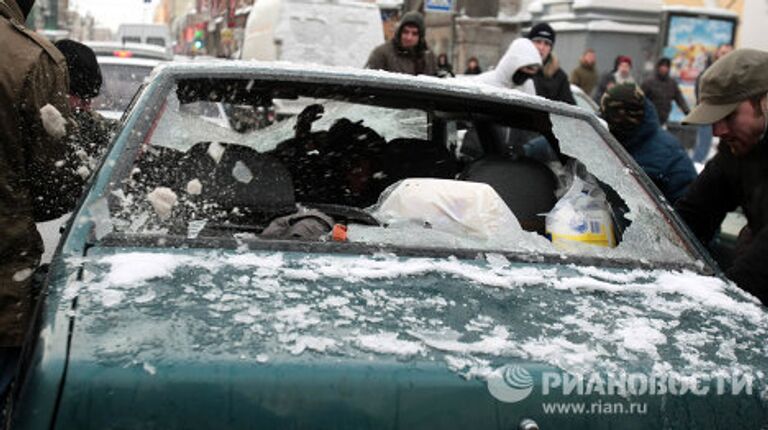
(199, 39)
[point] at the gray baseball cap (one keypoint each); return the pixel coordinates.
(732, 79)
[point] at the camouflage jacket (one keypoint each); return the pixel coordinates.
(38, 178)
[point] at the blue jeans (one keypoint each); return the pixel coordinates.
(9, 360)
(703, 143)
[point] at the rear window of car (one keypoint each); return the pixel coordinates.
(120, 83)
(267, 162)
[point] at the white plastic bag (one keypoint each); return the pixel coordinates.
(461, 208)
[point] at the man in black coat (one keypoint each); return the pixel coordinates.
(551, 81)
(734, 99)
(661, 89)
(407, 52)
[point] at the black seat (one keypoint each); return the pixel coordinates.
(526, 186)
(416, 158)
(265, 188)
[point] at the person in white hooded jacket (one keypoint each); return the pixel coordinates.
(514, 71)
(516, 67)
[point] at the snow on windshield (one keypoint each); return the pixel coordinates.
(473, 315)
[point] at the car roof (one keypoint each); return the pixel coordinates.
(293, 72)
(134, 50)
(141, 62)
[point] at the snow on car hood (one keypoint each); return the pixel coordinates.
(473, 315)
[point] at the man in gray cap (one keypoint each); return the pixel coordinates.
(733, 99)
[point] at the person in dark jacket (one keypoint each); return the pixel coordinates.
(551, 81)
(473, 67)
(585, 75)
(734, 99)
(444, 68)
(620, 74)
(632, 119)
(661, 90)
(85, 80)
(407, 52)
(38, 169)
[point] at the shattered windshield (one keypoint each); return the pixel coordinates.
(265, 161)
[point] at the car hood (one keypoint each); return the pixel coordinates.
(204, 339)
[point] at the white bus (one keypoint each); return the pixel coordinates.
(151, 34)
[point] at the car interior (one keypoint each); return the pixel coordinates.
(342, 169)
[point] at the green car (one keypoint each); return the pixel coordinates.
(384, 252)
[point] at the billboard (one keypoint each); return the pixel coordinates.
(690, 42)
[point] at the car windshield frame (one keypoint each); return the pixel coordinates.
(479, 103)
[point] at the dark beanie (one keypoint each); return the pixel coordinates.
(623, 108)
(84, 72)
(664, 61)
(542, 31)
(25, 6)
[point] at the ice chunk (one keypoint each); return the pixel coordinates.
(215, 151)
(84, 172)
(163, 200)
(242, 173)
(102, 222)
(55, 124)
(149, 368)
(388, 343)
(314, 343)
(146, 297)
(22, 275)
(244, 318)
(497, 261)
(110, 298)
(195, 227)
(194, 187)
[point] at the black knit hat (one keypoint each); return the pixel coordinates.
(84, 72)
(542, 31)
